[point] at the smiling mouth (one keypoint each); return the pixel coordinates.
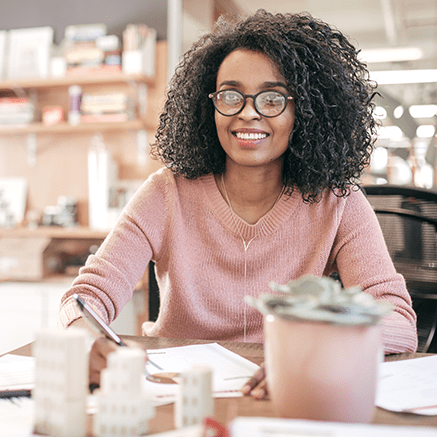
(250, 136)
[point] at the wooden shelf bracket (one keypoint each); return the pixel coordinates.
(31, 149)
(142, 147)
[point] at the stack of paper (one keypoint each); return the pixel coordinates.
(17, 372)
(271, 427)
(230, 371)
(409, 386)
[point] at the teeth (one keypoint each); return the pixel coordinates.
(250, 136)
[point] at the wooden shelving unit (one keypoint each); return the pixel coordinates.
(54, 232)
(113, 78)
(65, 128)
(53, 158)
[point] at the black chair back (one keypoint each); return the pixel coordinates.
(408, 219)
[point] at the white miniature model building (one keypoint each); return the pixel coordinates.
(61, 382)
(123, 408)
(194, 401)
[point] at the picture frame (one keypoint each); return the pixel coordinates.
(29, 52)
(3, 41)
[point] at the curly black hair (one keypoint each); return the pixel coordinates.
(333, 131)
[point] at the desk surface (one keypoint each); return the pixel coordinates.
(227, 409)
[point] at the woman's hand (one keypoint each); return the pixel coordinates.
(100, 350)
(98, 358)
(257, 385)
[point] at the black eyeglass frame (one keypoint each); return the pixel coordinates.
(213, 96)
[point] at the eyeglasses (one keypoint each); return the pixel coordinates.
(267, 103)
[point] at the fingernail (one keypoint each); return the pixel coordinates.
(259, 394)
(245, 389)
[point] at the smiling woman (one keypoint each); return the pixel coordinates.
(266, 125)
(247, 135)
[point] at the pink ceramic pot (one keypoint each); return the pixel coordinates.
(322, 371)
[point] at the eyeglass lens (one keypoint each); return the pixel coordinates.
(267, 103)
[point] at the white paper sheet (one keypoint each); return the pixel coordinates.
(409, 386)
(16, 417)
(230, 370)
(272, 427)
(17, 372)
(189, 431)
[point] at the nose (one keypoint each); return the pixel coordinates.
(249, 111)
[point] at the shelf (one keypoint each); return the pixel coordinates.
(64, 127)
(75, 80)
(78, 233)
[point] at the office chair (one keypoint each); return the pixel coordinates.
(154, 299)
(408, 219)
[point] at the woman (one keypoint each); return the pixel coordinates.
(266, 128)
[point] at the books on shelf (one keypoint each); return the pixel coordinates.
(85, 50)
(107, 102)
(85, 32)
(106, 118)
(16, 110)
(98, 70)
(88, 50)
(111, 107)
(84, 53)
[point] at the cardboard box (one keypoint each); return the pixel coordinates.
(25, 258)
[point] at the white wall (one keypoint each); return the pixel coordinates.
(26, 307)
(197, 19)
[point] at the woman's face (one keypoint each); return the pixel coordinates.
(248, 138)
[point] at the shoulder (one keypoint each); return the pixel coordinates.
(356, 203)
(355, 212)
(354, 200)
(160, 178)
(354, 207)
(165, 177)
(164, 186)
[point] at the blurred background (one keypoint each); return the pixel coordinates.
(398, 40)
(66, 172)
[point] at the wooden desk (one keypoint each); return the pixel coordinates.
(227, 409)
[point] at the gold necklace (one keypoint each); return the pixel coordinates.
(247, 244)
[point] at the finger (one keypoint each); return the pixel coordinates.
(133, 343)
(100, 350)
(259, 376)
(102, 347)
(260, 391)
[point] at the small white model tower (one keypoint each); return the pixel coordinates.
(123, 408)
(194, 401)
(61, 383)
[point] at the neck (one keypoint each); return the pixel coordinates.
(250, 197)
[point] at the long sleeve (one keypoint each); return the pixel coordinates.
(362, 258)
(109, 277)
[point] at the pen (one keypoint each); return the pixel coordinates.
(8, 394)
(96, 322)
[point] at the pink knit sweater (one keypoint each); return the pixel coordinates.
(188, 229)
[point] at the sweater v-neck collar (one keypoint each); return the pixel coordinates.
(265, 225)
